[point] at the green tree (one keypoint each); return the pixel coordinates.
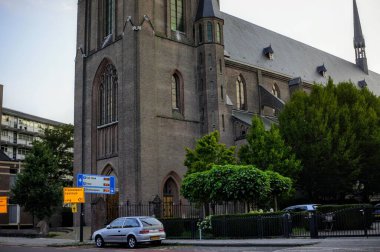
(267, 150)
(226, 183)
(195, 187)
(207, 152)
(279, 185)
(48, 168)
(36, 188)
(335, 133)
(61, 142)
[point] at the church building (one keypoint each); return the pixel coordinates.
(151, 77)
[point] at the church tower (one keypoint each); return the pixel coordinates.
(210, 53)
(359, 42)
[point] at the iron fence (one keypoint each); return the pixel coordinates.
(181, 220)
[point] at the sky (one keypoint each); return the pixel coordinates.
(37, 43)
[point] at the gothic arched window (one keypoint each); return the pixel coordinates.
(209, 32)
(275, 90)
(177, 18)
(177, 92)
(107, 112)
(108, 96)
(240, 94)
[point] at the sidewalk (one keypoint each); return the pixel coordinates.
(277, 242)
(37, 242)
(44, 242)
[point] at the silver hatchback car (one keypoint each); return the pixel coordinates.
(131, 230)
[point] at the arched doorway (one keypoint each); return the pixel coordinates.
(111, 200)
(170, 197)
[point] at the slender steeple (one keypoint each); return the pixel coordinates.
(207, 9)
(359, 42)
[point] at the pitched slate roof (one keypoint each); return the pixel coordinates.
(244, 43)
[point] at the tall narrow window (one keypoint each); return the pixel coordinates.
(108, 97)
(175, 92)
(108, 16)
(177, 15)
(218, 34)
(209, 31)
(276, 93)
(200, 30)
(240, 94)
(107, 111)
(275, 90)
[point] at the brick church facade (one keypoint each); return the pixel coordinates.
(154, 76)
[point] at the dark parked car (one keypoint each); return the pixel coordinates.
(131, 230)
(301, 208)
(376, 212)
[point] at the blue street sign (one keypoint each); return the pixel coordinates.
(96, 183)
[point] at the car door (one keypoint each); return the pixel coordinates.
(131, 225)
(114, 231)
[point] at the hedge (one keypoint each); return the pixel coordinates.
(248, 225)
(347, 217)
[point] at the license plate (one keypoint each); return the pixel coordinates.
(154, 238)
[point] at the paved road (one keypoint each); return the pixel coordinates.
(324, 245)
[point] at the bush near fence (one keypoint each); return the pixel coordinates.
(347, 217)
(180, 228)
(248, 225)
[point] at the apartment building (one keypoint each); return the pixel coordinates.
(19, 130)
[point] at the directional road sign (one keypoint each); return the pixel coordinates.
(96, 184)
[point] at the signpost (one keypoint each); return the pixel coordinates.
(73, 195)
(96, 184)
(3, 205)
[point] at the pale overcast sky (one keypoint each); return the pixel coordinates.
(38, 43)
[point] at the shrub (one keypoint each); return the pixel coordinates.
(180, 228)
(347, 217)
(248, 225)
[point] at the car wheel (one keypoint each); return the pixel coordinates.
(131, 242)
(99, 241)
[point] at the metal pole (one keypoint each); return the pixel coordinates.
(81, 223)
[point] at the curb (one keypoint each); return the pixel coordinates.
(242, 244)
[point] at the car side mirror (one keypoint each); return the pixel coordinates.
(108, 227)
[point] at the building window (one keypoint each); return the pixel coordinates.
(275, 90)
(106, 102)
(176, 90)
(240, 94)
(177, 93)
(200, 31)
(108, 96)
(218, 34)
(177, 15)
(209, 32)
(108, 17)
(223, 125)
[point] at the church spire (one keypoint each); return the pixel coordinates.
(208, 9)
(359, 42)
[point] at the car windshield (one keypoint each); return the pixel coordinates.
(150, 222)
